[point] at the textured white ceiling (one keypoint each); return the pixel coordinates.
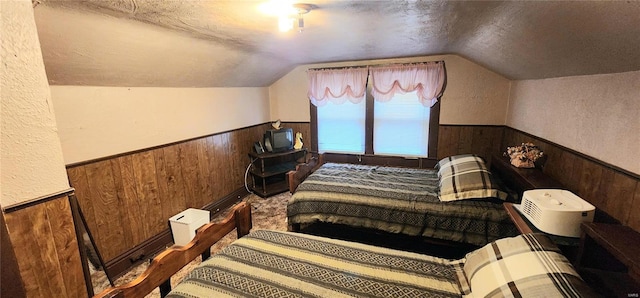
(191, 43)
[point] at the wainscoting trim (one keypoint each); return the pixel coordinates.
(38, 200)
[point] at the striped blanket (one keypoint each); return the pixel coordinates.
(284, 264)
(395, 200)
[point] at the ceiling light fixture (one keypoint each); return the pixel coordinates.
(289, 14)
(302, 9)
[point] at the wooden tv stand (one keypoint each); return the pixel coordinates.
(268, 170)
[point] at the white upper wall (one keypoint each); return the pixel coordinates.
(473, 95)
(598, 115)
(31, 158)
(97, 122)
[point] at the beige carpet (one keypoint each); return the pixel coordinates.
(269, 213)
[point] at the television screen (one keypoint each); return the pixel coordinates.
(279, 139)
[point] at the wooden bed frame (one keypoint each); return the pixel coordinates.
(170, 261)
(295, 177)
(302, 171)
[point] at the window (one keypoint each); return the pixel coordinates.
(342, 128)
(401, 126)
(401, 121)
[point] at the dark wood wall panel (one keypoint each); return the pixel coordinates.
(482, 140)
(612, 190)
(11, 283)
(447, 141)
(634, 219)
(188, 156)
(107, 210)
(144, 171)
(304, 128)
(170, 180)
(123, 174)
(64, 237)
(128, 199)
(205, 157)
(217, 163)
(238, 161)
(44, 241)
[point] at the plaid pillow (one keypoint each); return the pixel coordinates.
(470, 185)
(466, 177)
(528, 265)
(453, 169)
(457, 159)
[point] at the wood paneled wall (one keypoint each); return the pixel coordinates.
(612, 190)
(44, 240)
(11, 284)
(304, 128)
(129, 198)
(483, 140)
(615, 192)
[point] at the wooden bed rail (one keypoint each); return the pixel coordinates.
(302, 171)
(174, 258)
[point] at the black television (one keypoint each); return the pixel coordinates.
(278, 140)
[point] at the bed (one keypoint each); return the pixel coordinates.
(458, 201)
(267, 263)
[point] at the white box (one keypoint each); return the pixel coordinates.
(184, 224)
(556, 211)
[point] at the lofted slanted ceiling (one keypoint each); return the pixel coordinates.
(190, 43)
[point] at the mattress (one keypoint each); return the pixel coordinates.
(284, 264)
(395, 200)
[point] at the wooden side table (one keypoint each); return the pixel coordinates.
(520, 179)
(609, 259)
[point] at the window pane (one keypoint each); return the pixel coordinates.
(341, 127)
(401, 126)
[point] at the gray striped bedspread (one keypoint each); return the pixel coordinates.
(284, 264)
(395, 200)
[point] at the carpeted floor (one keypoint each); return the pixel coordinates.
(269, 213)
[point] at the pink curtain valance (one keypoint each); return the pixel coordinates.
(427, 78)
(337, 85)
